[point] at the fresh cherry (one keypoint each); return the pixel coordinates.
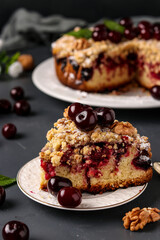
(15, 230)
(156, 31)
(157, 35)
(126, 22)
(5, 106)
(2, 195)
(146, 33)
(9, 130)
(86, 120)
(74, 109)
(22, 107)
(17, 93)
(56, 183)
(114, 36)
(155, 92)
(129, 33)
(100, 27)
(106, 116)
(99, 35)
(69, 197)
(99, 32)
(144, 24)
(156, 27)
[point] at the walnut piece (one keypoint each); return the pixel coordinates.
(27, 61)
(138, 218)
(80, 44)
(125, 128)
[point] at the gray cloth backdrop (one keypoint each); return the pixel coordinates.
(26, 28)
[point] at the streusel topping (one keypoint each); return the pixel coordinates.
(65, 134)
(84, 52)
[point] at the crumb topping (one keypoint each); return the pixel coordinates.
(84, 51)
(65, 134)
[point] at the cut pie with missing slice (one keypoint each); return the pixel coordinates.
(98, 159)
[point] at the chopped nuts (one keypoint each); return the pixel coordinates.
(81, 43)
(125, 128)
(26, 61)
(138, 218)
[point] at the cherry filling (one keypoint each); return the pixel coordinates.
(48, 168)
(142, 160)
(63, 62)
(74, 65)
(155, 75)
(99, 156)
(66, 156)
(86, 73)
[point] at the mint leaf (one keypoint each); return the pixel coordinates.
(114, 26)
(6, 181)
(82, 33)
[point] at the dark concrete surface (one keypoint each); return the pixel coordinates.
(47, 223)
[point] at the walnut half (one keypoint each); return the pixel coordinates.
(80, 44)
(138, 218)
(124, 128)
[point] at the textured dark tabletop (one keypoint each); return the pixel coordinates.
(47, 223)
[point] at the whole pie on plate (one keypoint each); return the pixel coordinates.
(95, 151)
(109, 55)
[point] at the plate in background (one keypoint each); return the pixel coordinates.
(45, 78)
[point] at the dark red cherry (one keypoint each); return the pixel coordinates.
(156, 27)
(114, 36)
(2, 195)
(156, 31)
(69, 197)
(22, 107)
(100, 27)
(74, 109)
(106, 116)
(146, 33)
(17, 93)
(9, 130)
(129, 33)
(155, 92)
(15, 230)
(157, 35)
(126, 22)
(99, 35)
(56, 183)
(5, 106)
(86, 120)
(144, 24)
(99, 32)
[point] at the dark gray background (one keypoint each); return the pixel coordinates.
(90, 10)
(47, 223)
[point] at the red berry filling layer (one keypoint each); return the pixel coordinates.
(48, 168)
(99, 156)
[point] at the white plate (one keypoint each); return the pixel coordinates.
(45, 78)
(28, 179)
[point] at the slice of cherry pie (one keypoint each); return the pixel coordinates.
(95, 151)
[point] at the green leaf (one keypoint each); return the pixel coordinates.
(82, 33)
(6, 181)
(114, 26)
